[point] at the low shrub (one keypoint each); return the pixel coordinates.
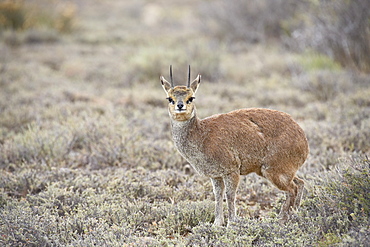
(263, 232)
(350, 190)
(339, 204)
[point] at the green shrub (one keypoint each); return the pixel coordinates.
(351, 189)
(311, 62)
(339, 206)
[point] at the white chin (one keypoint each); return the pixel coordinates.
(180, 111)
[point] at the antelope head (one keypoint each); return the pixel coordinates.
(181, 106)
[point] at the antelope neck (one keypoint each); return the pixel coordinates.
(182, 127)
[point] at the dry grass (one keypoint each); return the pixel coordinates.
(86, 155)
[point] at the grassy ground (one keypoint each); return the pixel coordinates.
(86, 155)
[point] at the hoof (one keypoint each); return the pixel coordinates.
(218, 222)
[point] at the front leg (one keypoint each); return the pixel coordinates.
(218, 190)
(231, 182)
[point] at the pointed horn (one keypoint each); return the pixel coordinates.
(189, 76)
(171, 76)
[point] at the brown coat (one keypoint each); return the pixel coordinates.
(247, 140)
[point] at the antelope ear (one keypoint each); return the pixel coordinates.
(165, 84)
(194, 85)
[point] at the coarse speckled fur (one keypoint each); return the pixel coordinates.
(225, 146)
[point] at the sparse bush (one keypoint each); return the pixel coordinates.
(20, 226)
(22, 183)
(23, 15)
(311, 62)
(182, 217)
(346, 133)
(91, 142)
(339, 206)
(361, 98)
(12, 15)
(248, 21)
(339, 29)
(324, 85)
(265, 232)
(207, 235)
(13, 121)
(32, 36)
(130, 203)
(148, 62)
(350, 190)
(34, 145)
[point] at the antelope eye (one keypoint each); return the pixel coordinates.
(190, 100)
(171, 100)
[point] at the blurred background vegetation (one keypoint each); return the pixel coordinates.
(86, 155)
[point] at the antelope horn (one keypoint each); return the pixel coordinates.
(189, 77)
(171, 76)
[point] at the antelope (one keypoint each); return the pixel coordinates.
(225, 146)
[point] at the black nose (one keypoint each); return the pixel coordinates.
(180, 105)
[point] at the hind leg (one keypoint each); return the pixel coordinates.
(288, 205)
(284, 181)
(300, 184)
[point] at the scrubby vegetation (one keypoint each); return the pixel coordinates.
(86, 155)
